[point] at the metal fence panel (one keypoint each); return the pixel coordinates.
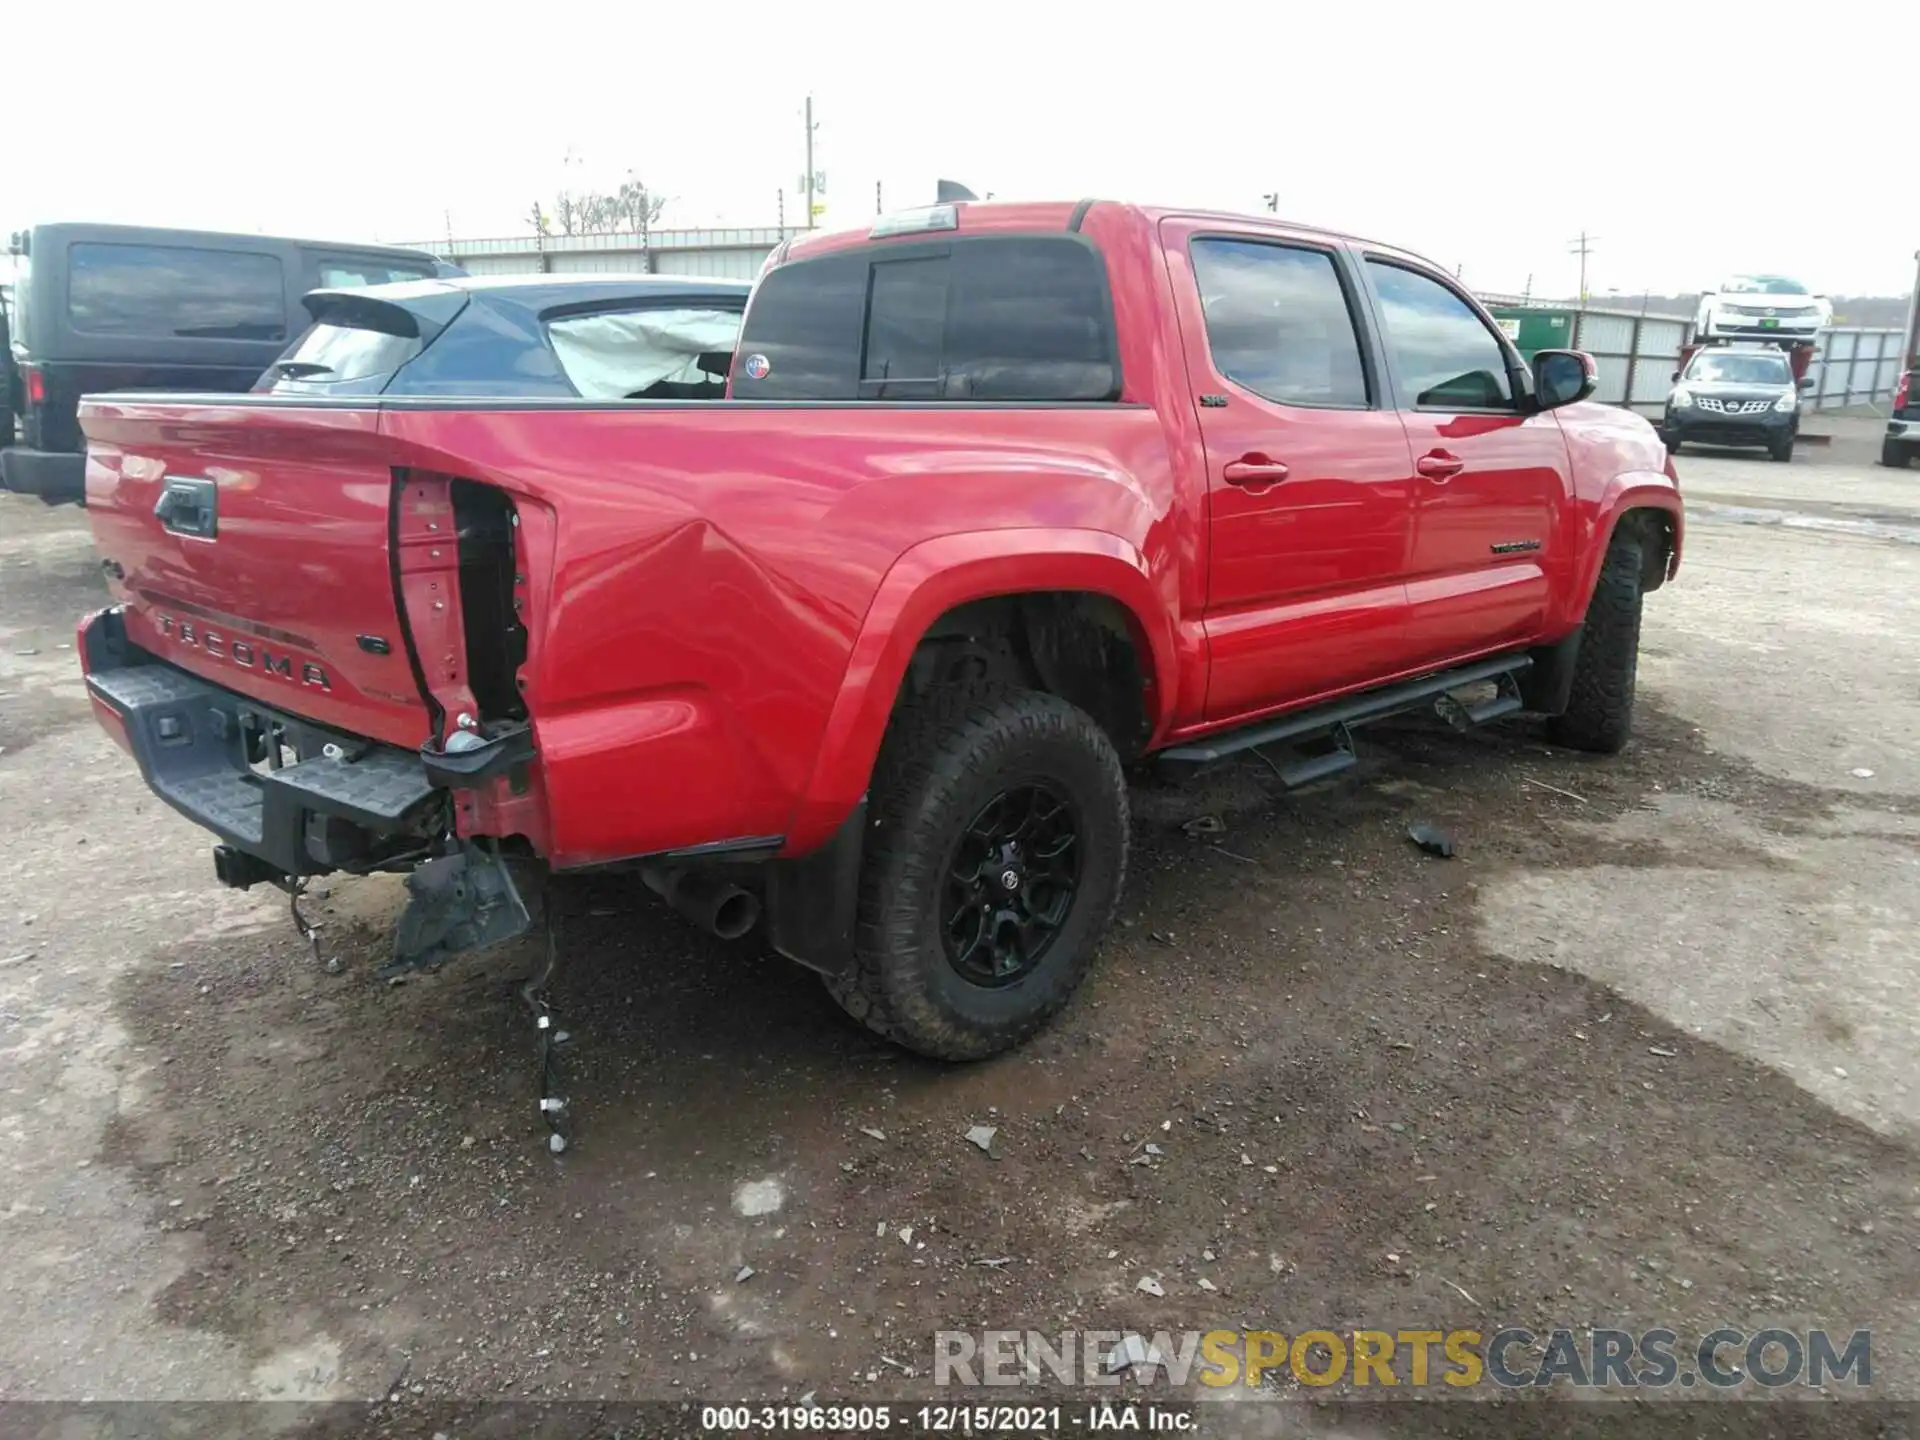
(729, 264)
(1662, 337)
(591, 262)
(1653, 378)
(527, 264)
(1854, 365)
(1604, 333)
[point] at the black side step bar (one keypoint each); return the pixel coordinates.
(1340, 716)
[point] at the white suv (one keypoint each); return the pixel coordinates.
(1762, 307)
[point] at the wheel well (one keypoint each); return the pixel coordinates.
(1084, 647)
(1654, 527)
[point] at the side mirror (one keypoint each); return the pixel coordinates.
(1805, 382)
(1561, 377)
(1676, 374)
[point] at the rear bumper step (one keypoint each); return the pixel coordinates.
(302, 799)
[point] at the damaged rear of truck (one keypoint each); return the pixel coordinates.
(320, 642)
(382, 727)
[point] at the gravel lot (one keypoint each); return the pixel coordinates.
(1644, 1053)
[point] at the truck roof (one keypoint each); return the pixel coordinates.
(978, 216)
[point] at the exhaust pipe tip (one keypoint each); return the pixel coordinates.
(717, 906)
(735, 913)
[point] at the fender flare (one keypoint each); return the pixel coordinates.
(1633, 491)
(930, 579)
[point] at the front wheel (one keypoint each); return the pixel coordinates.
(1599, 713)
(1781, 449)
(995, 862)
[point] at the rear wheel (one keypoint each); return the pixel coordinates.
(1599, 713)
(995, 863)
(1894, 454)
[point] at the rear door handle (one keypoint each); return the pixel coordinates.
(1253, 470)
(187, 507)
(1440, 466)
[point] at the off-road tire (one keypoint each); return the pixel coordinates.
(1599, 713)
(1894, 454)
(945, 757)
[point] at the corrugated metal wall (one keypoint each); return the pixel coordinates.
(732, 254)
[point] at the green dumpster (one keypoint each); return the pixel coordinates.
(1533, 329)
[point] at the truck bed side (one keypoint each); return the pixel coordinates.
(689, 633)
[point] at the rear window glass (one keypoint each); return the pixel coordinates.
(654, 354)
(170, 290)
(993, 318)
(328, 353)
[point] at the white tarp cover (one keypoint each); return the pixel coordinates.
(611, 356)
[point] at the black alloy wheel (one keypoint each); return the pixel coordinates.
(1010, 885)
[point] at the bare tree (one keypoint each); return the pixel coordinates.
(638, 205)
(630, 208)
(538, 219)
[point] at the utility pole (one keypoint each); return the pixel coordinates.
(878, 209)
(1526, 295)
(781, 200)
(809, 162)
(1582, 247)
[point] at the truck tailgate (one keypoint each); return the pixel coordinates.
(252, 545)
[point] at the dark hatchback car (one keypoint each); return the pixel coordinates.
(1735, 398)
(593, 337)
(124, 307)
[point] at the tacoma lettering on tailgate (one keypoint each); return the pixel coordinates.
(242, 652)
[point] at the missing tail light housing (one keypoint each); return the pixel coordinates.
(490, 583)
(461, 586)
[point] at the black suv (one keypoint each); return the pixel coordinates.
(1735, 397)
(123, 307)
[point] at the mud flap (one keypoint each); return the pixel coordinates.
(463, 901)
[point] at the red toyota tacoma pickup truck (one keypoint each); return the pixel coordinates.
(1000, 499)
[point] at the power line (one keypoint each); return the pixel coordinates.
(1583, 247)
(811, 127)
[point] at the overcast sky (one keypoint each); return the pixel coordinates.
(1692, 139)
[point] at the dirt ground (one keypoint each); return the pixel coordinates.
(1643, 1054)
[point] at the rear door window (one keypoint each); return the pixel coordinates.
(170, 290)
(1007, 318)
(1278, 322)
